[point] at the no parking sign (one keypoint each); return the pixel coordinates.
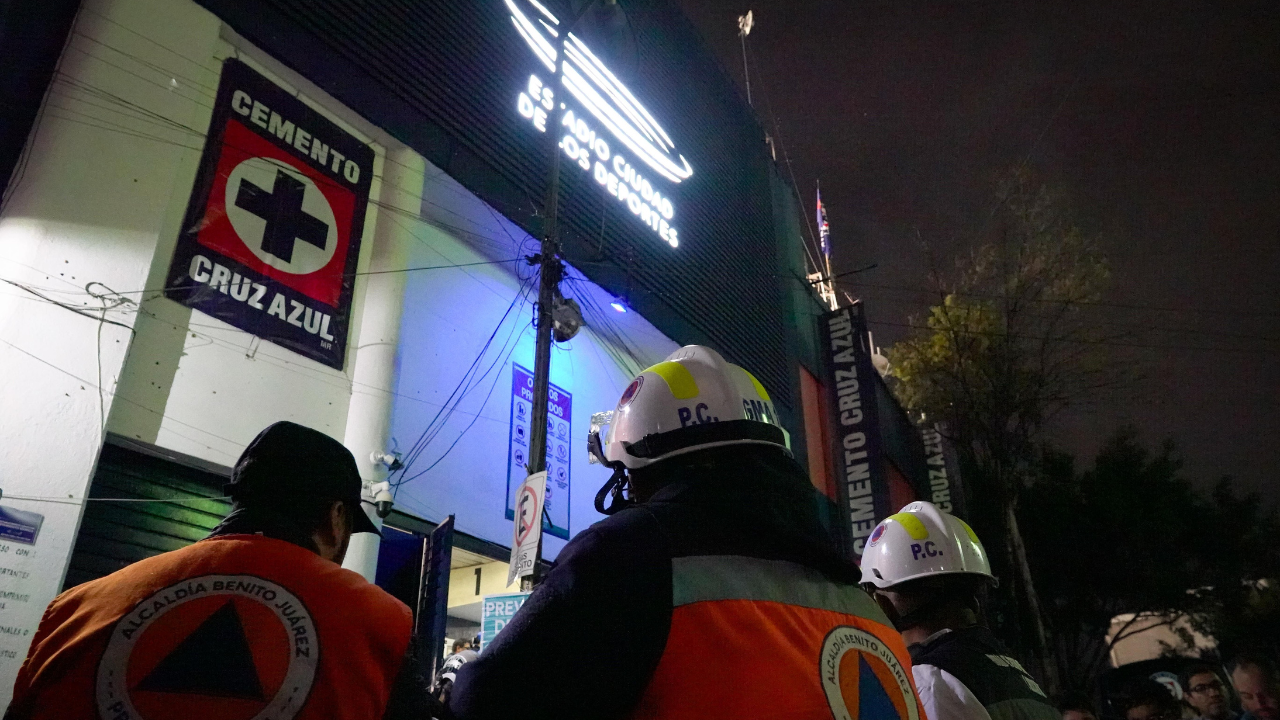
(272, 231)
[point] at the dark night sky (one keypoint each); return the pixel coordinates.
(1158, 119)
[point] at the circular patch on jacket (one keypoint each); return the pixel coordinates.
(863, 678)
(630, 393)
(235, 647)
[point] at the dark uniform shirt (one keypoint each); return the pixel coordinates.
(978, 660)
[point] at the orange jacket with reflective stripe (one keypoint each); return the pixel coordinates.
(770, 638)
(236, 626)
(717, 598)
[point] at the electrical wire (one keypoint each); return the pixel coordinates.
(606, 327)
(169, 123)
(786, 157)
(82, 500)
(107, 125)
(1134, 326)
(464, 386)
(474, 419)
(309, 371)
(362, 273)
(118, 396)
(1072, 341)
(1079, 303)
(126, 28)
(616, 338)
(162, 121)
(211, 91)
(159, 122)
(19, 173)
(197, 133)
(391, 209)
(501, 358)
(64, 306)
(450, 185)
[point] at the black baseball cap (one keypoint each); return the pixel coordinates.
(287, 463)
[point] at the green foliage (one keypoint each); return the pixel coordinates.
(1007, 348)
(1240, 604)
(1130, 535)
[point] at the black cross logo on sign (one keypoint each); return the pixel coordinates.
(282, 209)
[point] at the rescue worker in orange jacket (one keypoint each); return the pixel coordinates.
(713, 590)
(258, 620)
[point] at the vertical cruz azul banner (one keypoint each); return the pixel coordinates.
(944, 489)
(272, 232)
(862, 486)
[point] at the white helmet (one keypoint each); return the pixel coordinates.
(922, 541)
(691, 401)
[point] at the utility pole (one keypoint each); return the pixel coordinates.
(552, 269)
(548, 284)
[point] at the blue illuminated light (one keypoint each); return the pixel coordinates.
(618, 305)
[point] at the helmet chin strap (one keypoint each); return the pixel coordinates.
(618, 482)
(615, 487)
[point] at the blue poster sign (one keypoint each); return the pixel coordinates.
(559, 434)
(496, 612)
(19, 525)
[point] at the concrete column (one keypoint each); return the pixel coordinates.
(374, 367)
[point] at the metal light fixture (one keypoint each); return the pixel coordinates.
(566, 317)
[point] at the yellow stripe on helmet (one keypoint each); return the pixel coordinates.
(764, 394)
(677, 377)
(912, 525)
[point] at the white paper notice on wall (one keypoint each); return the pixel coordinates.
(528, 526)
(20, 576)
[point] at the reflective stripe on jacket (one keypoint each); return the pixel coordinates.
(976, 658)
(770, 638)
(236, 626)
(720, 597)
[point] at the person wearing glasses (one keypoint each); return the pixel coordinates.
(1204, 690)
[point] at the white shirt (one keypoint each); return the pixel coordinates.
(944, 697)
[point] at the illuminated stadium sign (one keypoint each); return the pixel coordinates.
(642, 158)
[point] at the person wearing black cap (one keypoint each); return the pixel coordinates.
(257, 620)
(298, 485)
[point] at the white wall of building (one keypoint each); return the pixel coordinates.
(1147, 637)
(450, 314)
(99, 187)
(100, 200)
(89, 345)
